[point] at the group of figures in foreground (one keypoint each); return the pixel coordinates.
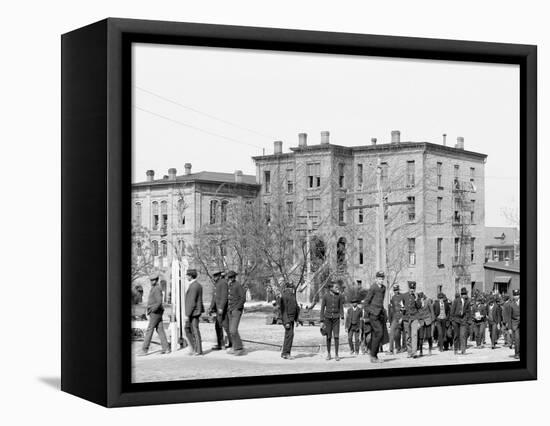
(413, 318)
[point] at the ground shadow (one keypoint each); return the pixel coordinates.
(54, 382)
(304, 355)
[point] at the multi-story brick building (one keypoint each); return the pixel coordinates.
(436, 239)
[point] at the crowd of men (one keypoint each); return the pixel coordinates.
(413, 318)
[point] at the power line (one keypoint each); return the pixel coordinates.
(196, 128)
(204, 113)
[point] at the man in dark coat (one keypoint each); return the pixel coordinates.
(218, 306)
(193, 310)
(460, 317)
(290, 312)
(425, 319)
(332, 310)
(479, 320)
(442, 312)
(236, 299)
(354, 315)
(396, 309)
(514, 321)
(411, 323)
(373, 303)
(155, 309)
(494, 319)
(507, 322)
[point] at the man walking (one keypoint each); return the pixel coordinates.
(426, 317)
(442, 310)
(289, 315)
(155, 310)
(479, 321)
(460, 317)
(494, 318)
(396, 309)
(332, 310)
(236, 299)
(514, 321)
(193, 310)
(410, 319)
(218, 306)
(354, 315)
(507, 322)
(374, 307)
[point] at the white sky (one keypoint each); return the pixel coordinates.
(267, 96)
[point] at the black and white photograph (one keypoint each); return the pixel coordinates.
(297, 212)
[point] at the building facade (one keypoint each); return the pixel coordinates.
(501, 244)
(503, 277)
(434, 207)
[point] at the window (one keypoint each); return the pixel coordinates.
(410, 173)
(213, 211)
(360, 250)
(472, 247)
(440, 175)
(361, 217)
(137, 214)
(359, 175)
(411, 209)
(163, 248)
(472, 174)
(155, 248)
(439, 203)
(290, 210)
(439, 246)
(456, 176)
(439, 289)
(155, 211)
(341, 175)
(456, 217)
(412, 251)
(457, 250)
(181, 211)
(290, 181)
(164, 214)
(267, 212)
(313, 206)
(314, 175)
(341, 202)
(224, 211)
(181, 247)
(384, 174)
(267, 182)
(472, 211)
(223, 248)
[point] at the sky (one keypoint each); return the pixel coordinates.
(216, 108)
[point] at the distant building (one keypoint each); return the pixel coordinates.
(501, 244)
(436, 239)
(502, 276)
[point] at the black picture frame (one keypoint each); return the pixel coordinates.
(96, 140)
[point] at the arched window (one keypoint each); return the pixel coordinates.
(224, 211)
(181, 247)
(137, 214)
(341, 251)
(164, 214)
(155, 248)
(213, 211)
(155, 213)
(181, 211)
(163, 248)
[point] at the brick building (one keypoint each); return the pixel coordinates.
(436, 239)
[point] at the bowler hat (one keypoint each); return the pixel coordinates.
(380, 274)
(515, 292)
(231, 274)
(440, 295)
(216, 273)
(191, 271)
(355, 300)
(412, 284)
(463, 290)
(396, 287)
(421, 294)
(154, 275)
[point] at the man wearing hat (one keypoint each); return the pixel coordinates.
(426, 318)
(218, 306)
(410, 319)
(494, 318)
(353, 325)
(395, 314)
(193, 310)
(479, 320)
(289, 315)
(235, 306)
(332, 310)
(460, 317)
(374, 307)
(506, 321)
(155, 311)
(514, 320)
(442, 311)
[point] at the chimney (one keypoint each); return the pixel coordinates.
(373, 141)
(238, 176)
(459, 142)
(325, 137)
(302, 140)
(150, 175)
(278, 147)
(187, 168)
(395, 136)
(172, 173)
(444, 139)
